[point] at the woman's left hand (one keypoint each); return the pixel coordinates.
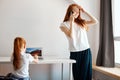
(81, 9)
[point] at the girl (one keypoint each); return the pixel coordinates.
(75, 29)
(21, 60)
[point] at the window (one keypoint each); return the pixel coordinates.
(116, 27)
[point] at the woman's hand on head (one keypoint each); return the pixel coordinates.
(81, 9)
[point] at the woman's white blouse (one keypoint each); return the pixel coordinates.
(79, 40)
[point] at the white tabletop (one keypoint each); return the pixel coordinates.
(47, 60)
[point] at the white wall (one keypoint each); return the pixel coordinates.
(38, 22)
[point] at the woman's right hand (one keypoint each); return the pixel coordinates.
(72, 18)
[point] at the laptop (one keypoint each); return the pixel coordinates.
(35, 51)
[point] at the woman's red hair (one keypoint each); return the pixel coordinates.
(78, 20)
(19, 43)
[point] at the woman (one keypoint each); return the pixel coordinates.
(75, 29)
(21, 60)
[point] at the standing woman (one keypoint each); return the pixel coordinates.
(75, 29)
(21, 60)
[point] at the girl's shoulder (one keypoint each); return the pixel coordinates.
(26, 55)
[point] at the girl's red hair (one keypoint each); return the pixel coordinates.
(19, 43)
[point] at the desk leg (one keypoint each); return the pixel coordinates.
(61, 71)
(70, 71)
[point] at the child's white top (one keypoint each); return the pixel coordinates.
(24, 70)
(78, 40)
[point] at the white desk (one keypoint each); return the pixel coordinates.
(51, 60)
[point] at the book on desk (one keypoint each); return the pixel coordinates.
(35, 51)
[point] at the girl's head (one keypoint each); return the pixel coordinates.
(19, 46)
(75, 10)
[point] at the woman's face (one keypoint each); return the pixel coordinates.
(76, 11)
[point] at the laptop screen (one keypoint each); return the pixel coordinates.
(34, 51)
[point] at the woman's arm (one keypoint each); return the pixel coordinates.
(67, 31)
(92, 20)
